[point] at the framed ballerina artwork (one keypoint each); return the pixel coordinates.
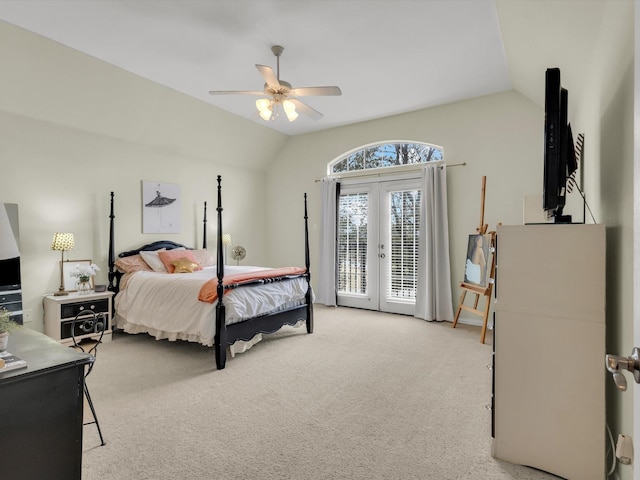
(160, 207)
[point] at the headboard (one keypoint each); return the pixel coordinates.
(149, 247)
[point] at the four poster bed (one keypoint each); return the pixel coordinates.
(199, 299)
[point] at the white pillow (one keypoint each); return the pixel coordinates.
(153, 260)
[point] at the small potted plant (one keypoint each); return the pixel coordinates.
(6, 325)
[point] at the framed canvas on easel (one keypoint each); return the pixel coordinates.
(477, 264)
(480, 267)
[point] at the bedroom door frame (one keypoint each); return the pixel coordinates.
(636, 230)
(378, 242)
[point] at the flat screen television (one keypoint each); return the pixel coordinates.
(9, 253)
(10, 274)
(559, 150)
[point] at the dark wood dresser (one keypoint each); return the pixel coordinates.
(41, 409)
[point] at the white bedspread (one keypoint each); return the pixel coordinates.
(167, 306)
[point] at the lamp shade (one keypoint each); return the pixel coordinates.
(226, 239)
(263, 104)
(265, 115)
(292, 115)
(265, 108)
(8, 244)
(62, 241)
(290, 109)
(289, 106)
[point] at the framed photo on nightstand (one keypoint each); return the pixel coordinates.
(69, 281)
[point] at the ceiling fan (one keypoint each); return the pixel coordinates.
(281, 94)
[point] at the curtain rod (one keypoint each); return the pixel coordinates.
(378, 173)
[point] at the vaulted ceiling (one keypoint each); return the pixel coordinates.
(387, 56)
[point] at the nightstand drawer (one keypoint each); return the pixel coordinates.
(70, 310)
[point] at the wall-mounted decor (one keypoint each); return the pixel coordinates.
(475, 271)
(160, 207)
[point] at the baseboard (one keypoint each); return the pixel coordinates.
(476, 322)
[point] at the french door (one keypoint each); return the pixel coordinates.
(378, 227)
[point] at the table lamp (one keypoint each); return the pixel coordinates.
(62, 242)
(226, 241)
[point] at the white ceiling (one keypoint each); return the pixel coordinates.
(387, 56)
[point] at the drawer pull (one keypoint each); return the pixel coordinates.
(81, 308)
(93, 307)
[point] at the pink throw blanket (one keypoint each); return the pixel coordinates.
(209, 291)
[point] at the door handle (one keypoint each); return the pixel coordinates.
(616, 364)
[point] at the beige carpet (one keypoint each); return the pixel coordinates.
(367, 396)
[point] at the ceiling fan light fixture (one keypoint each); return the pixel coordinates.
(266, 115)
(263, 104)
(289, 106)
(264, 108)
(277, 92)
(290, 109)
(292, 115)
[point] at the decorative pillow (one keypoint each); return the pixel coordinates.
(133, 263)
(169, 256)
(203, 258)
(184, 265)
(153, 260)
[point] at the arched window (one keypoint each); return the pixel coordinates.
(386, 155)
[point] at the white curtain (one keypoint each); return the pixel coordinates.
(433, 298)
(326, 279)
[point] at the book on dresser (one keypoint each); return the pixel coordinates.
(9, 361)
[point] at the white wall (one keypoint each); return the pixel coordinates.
(499, 136)
(605, 114)
(74, 129)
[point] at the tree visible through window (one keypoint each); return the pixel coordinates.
(387, 155)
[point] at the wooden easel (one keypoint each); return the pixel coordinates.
(477, 290)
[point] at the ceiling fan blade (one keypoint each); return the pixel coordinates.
(234, 92)
(306, 110)
(315, 91)
(269, 77)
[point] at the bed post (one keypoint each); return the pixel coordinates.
(220, 340)
(204, 225)
(111, 258)
(307, 263)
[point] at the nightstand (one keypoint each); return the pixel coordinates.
(59, 312)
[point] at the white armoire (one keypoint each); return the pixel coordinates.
(548, 401)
